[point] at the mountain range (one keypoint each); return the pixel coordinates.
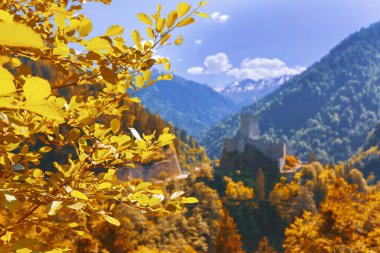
(326, 110)
(188, 105)
(248, 91)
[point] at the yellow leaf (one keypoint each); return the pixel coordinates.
(144, 18)
(160, 24)
(179, 40)
(85, 27)
(139, 82)
(60, 21)
(111, 220)
(183, 8)
(166, 138)
(109, 174)
(44, 108)
(104, 185)
(18, 35)
(114, 30)
(37, 173)
(143, 200)
(150, 83)
(16, 62)
(202, 3)
(190, 200)
(5, 16)
(154, 201)
(150, 32)
(147, 75)
(78, 194)
(202, 15)
(54, 206)
(36, 89)
(7, 237)
(136, 38)
(143, 185)
(61, 50)
(115, 125)
(165, 38)
(45, 149)
(186, 21)
(97, 44)
(7, 86)
(167, 66)
(171, 19)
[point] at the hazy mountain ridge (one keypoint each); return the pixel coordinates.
(327, 110)
(249, 91)
(188, 105)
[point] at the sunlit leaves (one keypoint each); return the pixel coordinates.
(182, 9)
(18, 35)
(6, 78)
(111, 220)
(85, 27)
(98, 44)
(171, 19)
(82, 123)
(115, 125)
(136, 37)
(186, 21)
(36, 89)
(78, 194)
(114, 30)
(144, 18)
(179, 40)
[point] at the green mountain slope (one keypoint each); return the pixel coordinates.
(188, 105)
(327, 110)
(367, 160)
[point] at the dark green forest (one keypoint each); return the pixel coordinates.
(327, 110)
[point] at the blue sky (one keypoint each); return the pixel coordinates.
(247, 38)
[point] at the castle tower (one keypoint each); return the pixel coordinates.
(249, 127)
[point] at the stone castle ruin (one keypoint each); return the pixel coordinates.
(249, 134)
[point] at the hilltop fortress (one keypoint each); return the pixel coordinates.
(247, 151)
(249, 134)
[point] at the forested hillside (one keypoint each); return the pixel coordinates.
(327, 110)
(186, 104)
(367, 158)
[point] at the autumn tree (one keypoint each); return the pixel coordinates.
(347, 221)
(265, 247)
(45, 208)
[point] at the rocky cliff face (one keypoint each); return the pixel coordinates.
(167, 168)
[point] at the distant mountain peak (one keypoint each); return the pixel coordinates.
(248, 91)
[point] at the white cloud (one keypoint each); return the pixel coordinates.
(198, 42)
(256, 68)
(219, 17)
(263, 68)
(195, 70)
(218, 63)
